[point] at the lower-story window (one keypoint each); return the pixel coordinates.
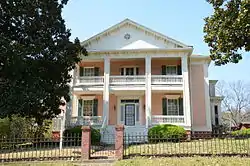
(172, 107)
(87, 107)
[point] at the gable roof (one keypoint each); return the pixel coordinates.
(130, 22)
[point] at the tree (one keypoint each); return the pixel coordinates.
(36, 56)
(227, 30)
(236, 102)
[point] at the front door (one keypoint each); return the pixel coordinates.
(130, 114)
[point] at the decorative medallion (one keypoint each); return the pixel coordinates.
(127, 36)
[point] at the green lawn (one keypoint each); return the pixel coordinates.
(212, 146)
(185, 161)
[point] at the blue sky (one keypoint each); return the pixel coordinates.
(179, 19)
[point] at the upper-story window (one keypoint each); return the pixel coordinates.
(128, 71)
(171, 70)
(89, 71)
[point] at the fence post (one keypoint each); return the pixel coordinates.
(119, 134)
(86, 142)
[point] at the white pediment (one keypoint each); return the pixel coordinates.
(130, 35)
(139, 44)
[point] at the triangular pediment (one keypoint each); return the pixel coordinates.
(130, 35)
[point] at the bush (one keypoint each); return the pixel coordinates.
(77, 131)
(166, 132)
(245, 133)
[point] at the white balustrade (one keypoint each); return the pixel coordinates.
(137, 79)
(86, 120)
(166, 79)
(165, 119)
(90, 80)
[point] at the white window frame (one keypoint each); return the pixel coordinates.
(86, 98)
(176, 70)
(84, 68)
(126, 67)
(140, 107)
(178, 109)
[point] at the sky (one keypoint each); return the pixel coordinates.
(178, 19)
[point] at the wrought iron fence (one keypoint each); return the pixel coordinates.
(202, 144)
(40, 148)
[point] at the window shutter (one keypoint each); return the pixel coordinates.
(121, 71)
(81, 71)
(181, 106)
(95, 107)
(80, 107)
(137, 71)
(179, 70)
(96, 71)
(164, 106)
(163, 70)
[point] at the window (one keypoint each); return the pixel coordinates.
(216, 115)
(128, 71)
(88, 107)
(172, 107)
(87, 71)
(171, 70)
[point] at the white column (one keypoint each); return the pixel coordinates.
(148, 91)
(207, 98)
(186, 92)
(74, 106)
(106, 89)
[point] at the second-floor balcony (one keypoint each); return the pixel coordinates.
(130, 80)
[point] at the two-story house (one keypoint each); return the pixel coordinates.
(138, 77)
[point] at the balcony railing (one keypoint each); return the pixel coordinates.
(86, 121)
(166, 79)
(131, 80)
(165, 119)
(90, 80)
(138, 79)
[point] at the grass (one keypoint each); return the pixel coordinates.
(209, 146)
(185, 161)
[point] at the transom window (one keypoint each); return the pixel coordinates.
(129, 71)
(171, 70)
(173, 107)
(87, 71)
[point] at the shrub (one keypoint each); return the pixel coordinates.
(166, 132)
(77, 132)
(241, 133)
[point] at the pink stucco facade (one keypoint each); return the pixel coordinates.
(197, 88)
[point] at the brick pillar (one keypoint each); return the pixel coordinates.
(86, 143)
(119, 134)
(188, 132)
(56, 135)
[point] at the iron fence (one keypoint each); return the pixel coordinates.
(202, 144)
(40, 148)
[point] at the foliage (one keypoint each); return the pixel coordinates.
(241, 133)
(36, 58)
(19, 127)
(236, 102)
(77, 131)
(227, 30)
(167, 132)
